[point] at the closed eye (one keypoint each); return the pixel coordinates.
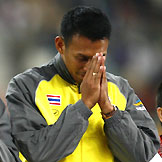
(83, 58)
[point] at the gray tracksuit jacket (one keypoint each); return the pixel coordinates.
(8, 151)
(51, 123)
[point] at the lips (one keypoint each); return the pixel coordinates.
(82, 74)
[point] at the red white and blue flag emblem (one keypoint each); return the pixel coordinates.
(54, 99)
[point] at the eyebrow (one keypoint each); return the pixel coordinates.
(82, 55)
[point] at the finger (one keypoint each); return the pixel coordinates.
(99, 68)
(91, 69)
(104, 75)
(99, 75)
(104, 79)
(87, 72)
(98, 64)
(103, 59)
(95, 62)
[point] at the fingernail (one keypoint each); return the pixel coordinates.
(101, 53)
(99, 58)
(97, 54)
(103, 67)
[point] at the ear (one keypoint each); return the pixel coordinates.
(60, 45)
(159, 113)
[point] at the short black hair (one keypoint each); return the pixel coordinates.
(159, 96)
(87, 21)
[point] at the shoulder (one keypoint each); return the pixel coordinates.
(121, 83)
(29, 79)
(118, 80)
(36, 74)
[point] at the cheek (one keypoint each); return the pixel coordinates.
(77, 64)
(81, 66)
(77, 68)
(74, 67)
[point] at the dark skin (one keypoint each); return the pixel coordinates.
(82, 58)
(159, 113)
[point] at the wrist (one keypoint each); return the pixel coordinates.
(109, 114)
(87, 104)
(106, 107)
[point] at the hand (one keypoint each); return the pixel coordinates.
(90, 86)
(104, 101)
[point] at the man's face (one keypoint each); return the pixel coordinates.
(79, 52)
(159, 113)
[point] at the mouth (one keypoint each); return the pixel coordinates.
(82, 75)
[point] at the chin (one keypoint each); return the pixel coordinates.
(79, 80)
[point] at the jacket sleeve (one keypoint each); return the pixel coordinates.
(132, 134)
(36, 140)
(8, 150)
(5, 154)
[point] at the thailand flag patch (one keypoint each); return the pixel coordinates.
(54, 100)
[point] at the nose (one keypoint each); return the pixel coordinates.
(86, 65)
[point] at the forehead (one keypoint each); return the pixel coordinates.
(83, 45)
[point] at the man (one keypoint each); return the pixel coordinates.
(157, 157)
(71, 110)
(8, 151)
(159, 112)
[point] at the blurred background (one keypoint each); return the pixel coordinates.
(28, 29)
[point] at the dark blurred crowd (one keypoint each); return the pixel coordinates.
(28, 29)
